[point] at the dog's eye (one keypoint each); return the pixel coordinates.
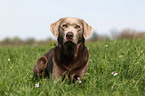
(77, 27)
(64, 26)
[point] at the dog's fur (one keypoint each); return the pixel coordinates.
(69, 59)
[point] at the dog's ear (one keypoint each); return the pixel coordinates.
(54, 27)
(87, 30)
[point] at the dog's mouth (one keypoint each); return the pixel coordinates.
(69, 44)
(69, 41)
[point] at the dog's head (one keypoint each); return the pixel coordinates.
(70, 30)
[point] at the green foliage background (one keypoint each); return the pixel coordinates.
(125, 57)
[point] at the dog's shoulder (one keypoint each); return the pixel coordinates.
(50, 53)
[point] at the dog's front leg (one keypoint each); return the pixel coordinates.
(39, 69)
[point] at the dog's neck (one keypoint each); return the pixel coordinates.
(70, 53)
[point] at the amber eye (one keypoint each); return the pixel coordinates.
(77, 27)
(64, 26)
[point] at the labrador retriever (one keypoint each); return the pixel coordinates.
(69, 59)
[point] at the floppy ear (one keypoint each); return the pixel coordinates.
(87, 30)
(54, 27)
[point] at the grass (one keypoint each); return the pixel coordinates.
(125, 57)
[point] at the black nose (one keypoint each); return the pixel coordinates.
(69, 35)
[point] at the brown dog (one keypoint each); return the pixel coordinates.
(70, 58)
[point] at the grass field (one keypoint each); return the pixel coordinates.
(125, 57)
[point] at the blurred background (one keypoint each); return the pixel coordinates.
(26, 22)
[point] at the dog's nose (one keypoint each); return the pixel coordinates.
(69, 35)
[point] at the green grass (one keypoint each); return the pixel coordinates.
(126, 57)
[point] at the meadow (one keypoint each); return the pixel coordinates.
(116, 68)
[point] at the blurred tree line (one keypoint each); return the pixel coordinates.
(115, 35)
(31, 41)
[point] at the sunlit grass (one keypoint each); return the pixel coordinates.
(124, 57)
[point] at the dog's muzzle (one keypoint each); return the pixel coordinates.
(69, 36)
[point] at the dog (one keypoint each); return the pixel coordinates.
(69, 59)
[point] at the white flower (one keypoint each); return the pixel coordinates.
(8, 59)
(106, 46)
(115, 74)
(112, 73)
(36, 85)
(78, 78)
(80, 81)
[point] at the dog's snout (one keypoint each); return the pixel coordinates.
(69, 35)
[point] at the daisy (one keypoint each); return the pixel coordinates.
(115, 74)
(78, 78)
(8, 59)
(112, 72)
(106, 46)
(36, 85)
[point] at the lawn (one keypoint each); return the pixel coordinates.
(125, 57)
